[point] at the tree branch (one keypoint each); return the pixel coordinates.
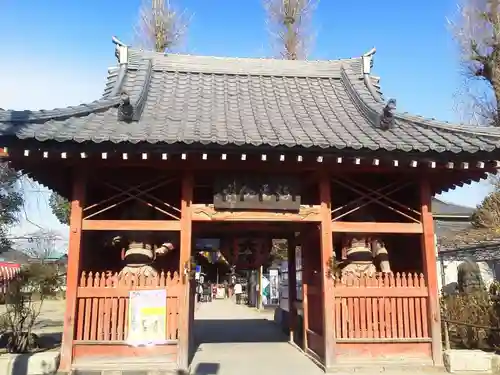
(476, 28)
(161, 27)
(289, 25)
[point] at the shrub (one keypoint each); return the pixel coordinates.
(24, 299)
(475, 310)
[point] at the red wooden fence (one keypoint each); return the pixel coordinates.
(382, 307)
(103, 301)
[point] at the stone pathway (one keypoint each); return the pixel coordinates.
(237, 340)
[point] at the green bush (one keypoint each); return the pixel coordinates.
(473, 318)
(475, 310)
(24, 299)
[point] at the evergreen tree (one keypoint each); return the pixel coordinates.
(11, 201)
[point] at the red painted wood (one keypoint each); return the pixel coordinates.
(73, 270)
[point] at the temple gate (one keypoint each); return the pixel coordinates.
(346, 177)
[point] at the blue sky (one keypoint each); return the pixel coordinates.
(55, 53)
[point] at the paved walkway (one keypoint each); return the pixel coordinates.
(237, 340)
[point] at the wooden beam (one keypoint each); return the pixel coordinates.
(327, 253)
(206, 212)
(185, 329)
(430, 270)
(372, 227)
(73, 269)
(153, 225)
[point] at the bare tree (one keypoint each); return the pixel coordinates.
(42, 245)
(289, 23)
(161, 27)
(476, 28)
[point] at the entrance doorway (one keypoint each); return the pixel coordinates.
(231, 337)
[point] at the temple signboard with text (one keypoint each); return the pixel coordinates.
(147, 317)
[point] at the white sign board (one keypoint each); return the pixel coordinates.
(147, 317)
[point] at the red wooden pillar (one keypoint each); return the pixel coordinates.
(430, 270)
(305, 252)
(292, 287)
(326, 255)
(185, 265)
(73, 271)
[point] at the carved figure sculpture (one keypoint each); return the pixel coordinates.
(359, 256)
(363, 251)
(138, 249)
(139, 257)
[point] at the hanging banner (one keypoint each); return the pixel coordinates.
(274, 280)
(147, 320)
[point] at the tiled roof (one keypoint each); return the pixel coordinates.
(445, 209)
(255, 102)
(458, 235)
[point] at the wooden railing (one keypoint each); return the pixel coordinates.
(381, 308)
(103, 304)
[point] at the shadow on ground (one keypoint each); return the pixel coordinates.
(48, 323)
(206, 368)
(50, 340)
(212, 331)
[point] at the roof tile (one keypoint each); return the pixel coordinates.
(208, 100)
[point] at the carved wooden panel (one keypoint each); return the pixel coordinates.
(257, 192)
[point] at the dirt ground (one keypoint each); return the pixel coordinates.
(50, 322)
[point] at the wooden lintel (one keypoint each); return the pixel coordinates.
(372, 227)
(204, 212)
(154, 225)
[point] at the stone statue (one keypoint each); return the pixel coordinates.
(139, 257)
(364, 251)
(469, 277)
(139, 248)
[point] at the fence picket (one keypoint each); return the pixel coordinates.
(381, 306)
(102, 304)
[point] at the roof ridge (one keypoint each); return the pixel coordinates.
(131, 107)
(162, 54)
(444, 125)
(367, 110)
(243, 66)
